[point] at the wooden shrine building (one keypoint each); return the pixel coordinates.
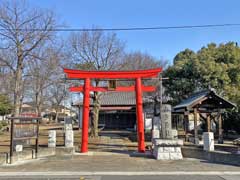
(206, 105)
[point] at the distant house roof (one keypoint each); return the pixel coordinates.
(119, 99)
(207, 99)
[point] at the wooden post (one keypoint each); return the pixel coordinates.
(220, 131)
(208, 123)
(36, 145)
(186, 126)
(11, 143)
(196, 140)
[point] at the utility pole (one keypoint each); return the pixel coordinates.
(161, 90)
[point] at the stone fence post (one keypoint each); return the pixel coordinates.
(52, 138)
(208, 141)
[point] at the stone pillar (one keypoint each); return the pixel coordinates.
(155, 134)
(156, 123)
(156, 128)
(80, 117)
(69, 134)
(52, 138)
(19, 148)
(166, 121)
(68, 124)
(69, 138)
(208, 141)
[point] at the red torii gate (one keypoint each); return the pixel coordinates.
(138, 75)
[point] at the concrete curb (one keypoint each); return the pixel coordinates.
(116, 173)
(212, 156)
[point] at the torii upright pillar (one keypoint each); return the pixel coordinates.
(140, 125)
(84, 147)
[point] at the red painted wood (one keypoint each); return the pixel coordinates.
(139, 108)
(80, 74)
(86, 102)
(86, 75)
(118, 89)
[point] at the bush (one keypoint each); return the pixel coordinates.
(3, 124)
(232, 120)
(5, 105)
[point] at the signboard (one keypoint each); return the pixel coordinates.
(23, 128)
(149, 115)
(112, 84)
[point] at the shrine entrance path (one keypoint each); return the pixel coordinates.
(112, 142)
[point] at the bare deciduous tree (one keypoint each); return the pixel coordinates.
(96, 51)
(44, 73)
(138, 60)
(58, 93)
(23, 29)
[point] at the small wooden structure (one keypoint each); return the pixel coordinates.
(204, 104)
(24, 128)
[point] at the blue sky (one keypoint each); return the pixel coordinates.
(134, 13)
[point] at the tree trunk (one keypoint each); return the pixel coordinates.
(94, 128)
(37, 102)
(39, 96)
(18, 85)
(56, 118)
(39, 107)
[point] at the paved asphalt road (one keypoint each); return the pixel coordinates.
(161, 177)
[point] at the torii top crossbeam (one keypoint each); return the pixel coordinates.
(80, 74)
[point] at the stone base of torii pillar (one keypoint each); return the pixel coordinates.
(165, 147)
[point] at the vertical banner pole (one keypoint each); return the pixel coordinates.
(85, 121)
(11, 143)
(139, 108)
(37, 142)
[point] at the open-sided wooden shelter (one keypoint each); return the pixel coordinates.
(205, 103)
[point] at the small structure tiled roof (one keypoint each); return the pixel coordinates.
(119, 99)
(206, 98)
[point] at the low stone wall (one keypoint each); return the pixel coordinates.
(3, 158)
(29, 154)
(224, 157)
(61, 151)
(167, 149)
(211, 156)
(193, 152)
